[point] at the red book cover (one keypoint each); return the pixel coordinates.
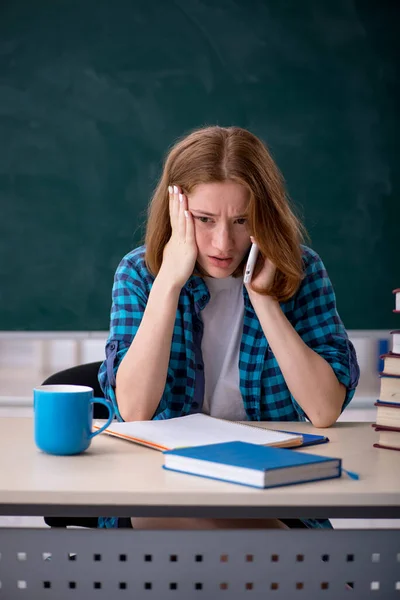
(385, 447)
(385, 428)
(390, 355)
(382, 428)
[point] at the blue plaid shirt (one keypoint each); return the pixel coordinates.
(266, 397)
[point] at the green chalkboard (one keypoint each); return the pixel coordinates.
(93, 92)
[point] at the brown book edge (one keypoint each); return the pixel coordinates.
(129, 438)
(390, 355)
(385, 447)
(385, 428)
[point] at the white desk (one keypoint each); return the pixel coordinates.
(117, 478)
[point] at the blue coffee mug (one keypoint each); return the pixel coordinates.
(63, 416)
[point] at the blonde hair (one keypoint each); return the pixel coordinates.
(217, 154)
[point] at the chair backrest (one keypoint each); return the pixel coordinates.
(82, 375)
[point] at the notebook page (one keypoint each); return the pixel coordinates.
(196, 430)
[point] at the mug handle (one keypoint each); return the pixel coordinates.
(110, 418)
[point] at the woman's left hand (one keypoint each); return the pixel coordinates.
(263, 274)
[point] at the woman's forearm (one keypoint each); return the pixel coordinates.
(309, 377)
(142, 373)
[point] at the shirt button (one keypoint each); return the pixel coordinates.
(204, 298)
(113, 346)
(190, 284)
(196, 328)
(200, 367)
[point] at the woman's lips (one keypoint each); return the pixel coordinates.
(221, 263)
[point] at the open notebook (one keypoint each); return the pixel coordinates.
(197, 430)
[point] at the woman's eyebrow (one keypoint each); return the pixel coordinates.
(208, 214)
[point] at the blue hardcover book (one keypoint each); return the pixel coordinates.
(309, 439)
(252, 464)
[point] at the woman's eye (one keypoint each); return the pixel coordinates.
(207, 220)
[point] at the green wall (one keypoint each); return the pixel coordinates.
(92, 94)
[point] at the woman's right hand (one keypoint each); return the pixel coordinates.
(180, 253)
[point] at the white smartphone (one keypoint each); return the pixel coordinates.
(251, 263)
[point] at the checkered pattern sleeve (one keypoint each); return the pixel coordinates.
(129, 298)
(317, 322)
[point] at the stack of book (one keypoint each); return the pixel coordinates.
(388, 406)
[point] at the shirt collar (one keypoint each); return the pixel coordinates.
(197, 287)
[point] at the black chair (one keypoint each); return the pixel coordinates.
(82, 375)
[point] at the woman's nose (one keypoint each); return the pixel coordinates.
(223, 239)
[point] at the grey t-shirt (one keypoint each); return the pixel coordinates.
(223, 327)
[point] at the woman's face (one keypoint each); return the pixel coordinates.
(219, 211)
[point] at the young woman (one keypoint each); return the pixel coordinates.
(187, 335)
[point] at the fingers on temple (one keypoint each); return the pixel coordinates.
(189, 225)
(173, 191)
(182, 219)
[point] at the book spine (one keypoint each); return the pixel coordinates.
(383, 348)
